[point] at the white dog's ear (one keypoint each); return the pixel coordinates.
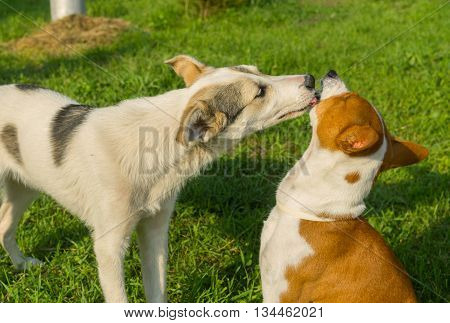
(200, 123)
(187, 67)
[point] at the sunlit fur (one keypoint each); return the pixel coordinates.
(122, 166)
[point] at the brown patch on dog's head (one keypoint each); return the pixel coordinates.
(213, 108)
(188, 68)
(349, 123)
(352, 177)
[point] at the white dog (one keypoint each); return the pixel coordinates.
(121, 167)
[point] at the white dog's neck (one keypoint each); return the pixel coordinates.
(321, 186)
(142, 136)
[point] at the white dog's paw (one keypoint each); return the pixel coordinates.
(27, 263)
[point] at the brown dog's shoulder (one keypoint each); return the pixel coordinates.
(355, 265)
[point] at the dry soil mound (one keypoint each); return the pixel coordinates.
(70, 33)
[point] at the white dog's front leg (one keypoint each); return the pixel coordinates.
(110, 247)
(153, 243)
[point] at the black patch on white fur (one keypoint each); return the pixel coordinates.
(228, 99)
(11, 142)
(63, 127)
(28, 87)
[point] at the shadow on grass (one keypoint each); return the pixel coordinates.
(29, 8)
(427, 260)
(24, 66)
(422, 187)
(63, 231)
(254, 190)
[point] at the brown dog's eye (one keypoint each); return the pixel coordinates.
(261, 92)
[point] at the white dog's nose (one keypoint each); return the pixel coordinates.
(310, 81)
(332, 85)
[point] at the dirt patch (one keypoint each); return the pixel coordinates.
(69, 34)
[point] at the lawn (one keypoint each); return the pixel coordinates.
(214, 235)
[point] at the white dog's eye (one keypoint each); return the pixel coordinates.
(261, 91)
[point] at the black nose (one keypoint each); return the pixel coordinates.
(317, 95)
(332, 74)
(310, 82)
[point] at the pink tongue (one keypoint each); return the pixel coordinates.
(313, 102)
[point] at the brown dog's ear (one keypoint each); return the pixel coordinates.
(187, 67)
(200, 123)
(403, 153)
(357, 138)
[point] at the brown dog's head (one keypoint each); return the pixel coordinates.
(344, 121)
(232, 102)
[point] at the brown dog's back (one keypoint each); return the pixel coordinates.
(351, 263)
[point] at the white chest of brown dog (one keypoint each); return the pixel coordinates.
(121, 167)
(314, 245)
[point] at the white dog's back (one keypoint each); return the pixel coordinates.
(26, 114)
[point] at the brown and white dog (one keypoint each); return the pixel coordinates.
(314, 245)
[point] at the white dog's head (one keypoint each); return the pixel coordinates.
(232, 102)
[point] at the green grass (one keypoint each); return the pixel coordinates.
(214, 236)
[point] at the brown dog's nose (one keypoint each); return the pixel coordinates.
(310, 82)
(332, 74)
